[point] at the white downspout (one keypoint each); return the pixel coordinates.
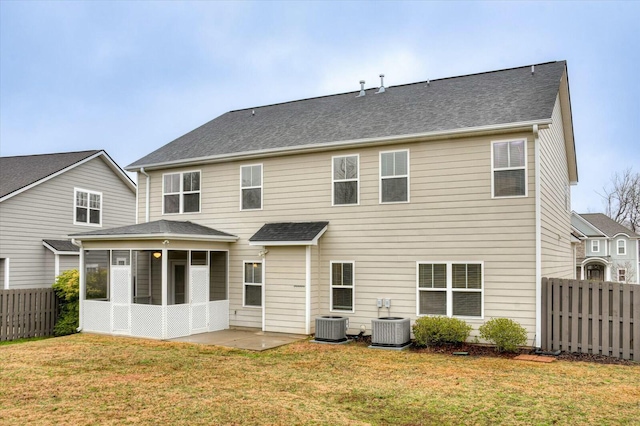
(56, 265)
(538, 238)
(83, 285)
(307, 291)
(146, 201)
(264, 291)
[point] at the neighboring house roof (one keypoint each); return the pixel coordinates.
(289, 233)
(158, 229)
(20, 173)
(61, 246)
(606, 225)
(444, 106)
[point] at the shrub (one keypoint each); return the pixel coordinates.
(506, 334)
(67, 288)
(436, 331)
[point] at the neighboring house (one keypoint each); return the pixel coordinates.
(608, 251)
(43, 199)
(446, 197)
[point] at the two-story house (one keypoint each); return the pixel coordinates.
(43, 199)
(443, 197)
(608, 251)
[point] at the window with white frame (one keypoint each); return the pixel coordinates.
(622, 275)
(342, 284)
(345, 180)
(253, 284)
(251, 187)
(452, 289)
(508, 168)
(394, 177)
(181, 192)
(622, 247)
(595, 246)
(88, 207)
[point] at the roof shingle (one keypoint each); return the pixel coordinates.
(158, 227)
(607, 225)
(289, 232)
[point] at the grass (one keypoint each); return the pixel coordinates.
(89, 379)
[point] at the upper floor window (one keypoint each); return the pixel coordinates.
(508, 168)
(595, 246)
(451, 289)
(181, 192)
(345, 180)
(342, 282)
(88, 207)
(251, 187)
(622, 247)
(394, 177)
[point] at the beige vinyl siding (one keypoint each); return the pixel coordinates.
(285, 290)
(451, 217)
(46, 211)
(557, 255)
(68, 262)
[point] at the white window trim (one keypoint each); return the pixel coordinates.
(333, 181)
(181, 193)
(525, 167)
(89, 192)
(253, 187)
(595, 243)
(624, 270)
(624, 247)
(245, 284)
(449, 289)
(352, 286)
(380, 177)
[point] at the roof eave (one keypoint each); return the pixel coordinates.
(163, 236)
(567, 125)
(416, 137)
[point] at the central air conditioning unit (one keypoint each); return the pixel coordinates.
(331, 329)
(390, 332)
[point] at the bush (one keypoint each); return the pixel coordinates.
(506, 334)
(436, 331)
(67, 288)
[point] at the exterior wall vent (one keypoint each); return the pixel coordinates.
(331, 329)
(390, 332)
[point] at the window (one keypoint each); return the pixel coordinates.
(595, 246)
(88, 207)
(342, 282)
(622, 247)
(451, 289)
(181, 192)
(394, 177)
(96, 274)
(622, 275)
(253, 284)
(251, 187)
(345, 180)
(508, 164)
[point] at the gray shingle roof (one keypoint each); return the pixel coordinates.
(63, 245)
(607, 225)
(500, 97)
(18, 172)
(289, 232)
(158, 227)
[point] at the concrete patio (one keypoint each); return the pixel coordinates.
(254, 340)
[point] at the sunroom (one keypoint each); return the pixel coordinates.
(160, 280)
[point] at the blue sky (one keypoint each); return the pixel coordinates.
(130, 77)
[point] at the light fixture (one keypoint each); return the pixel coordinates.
(157, 254)
(255, 265)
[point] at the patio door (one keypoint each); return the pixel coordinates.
(121, 299)
(199, 293)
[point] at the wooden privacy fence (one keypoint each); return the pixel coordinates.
(27, 313)
(591, 317)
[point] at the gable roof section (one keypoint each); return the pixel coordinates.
(289, 233)
(61, 246)
(440, 107)
(157, 230)
(607, 226)
(17, 174)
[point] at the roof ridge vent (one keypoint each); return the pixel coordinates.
(362, 93)
(381, 89)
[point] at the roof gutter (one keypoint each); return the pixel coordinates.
(523, 126)
(146, 202)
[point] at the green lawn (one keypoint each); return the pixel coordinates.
(88, 379)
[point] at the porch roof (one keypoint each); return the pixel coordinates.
(156, 230)
(289, 234)
(61, 246)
